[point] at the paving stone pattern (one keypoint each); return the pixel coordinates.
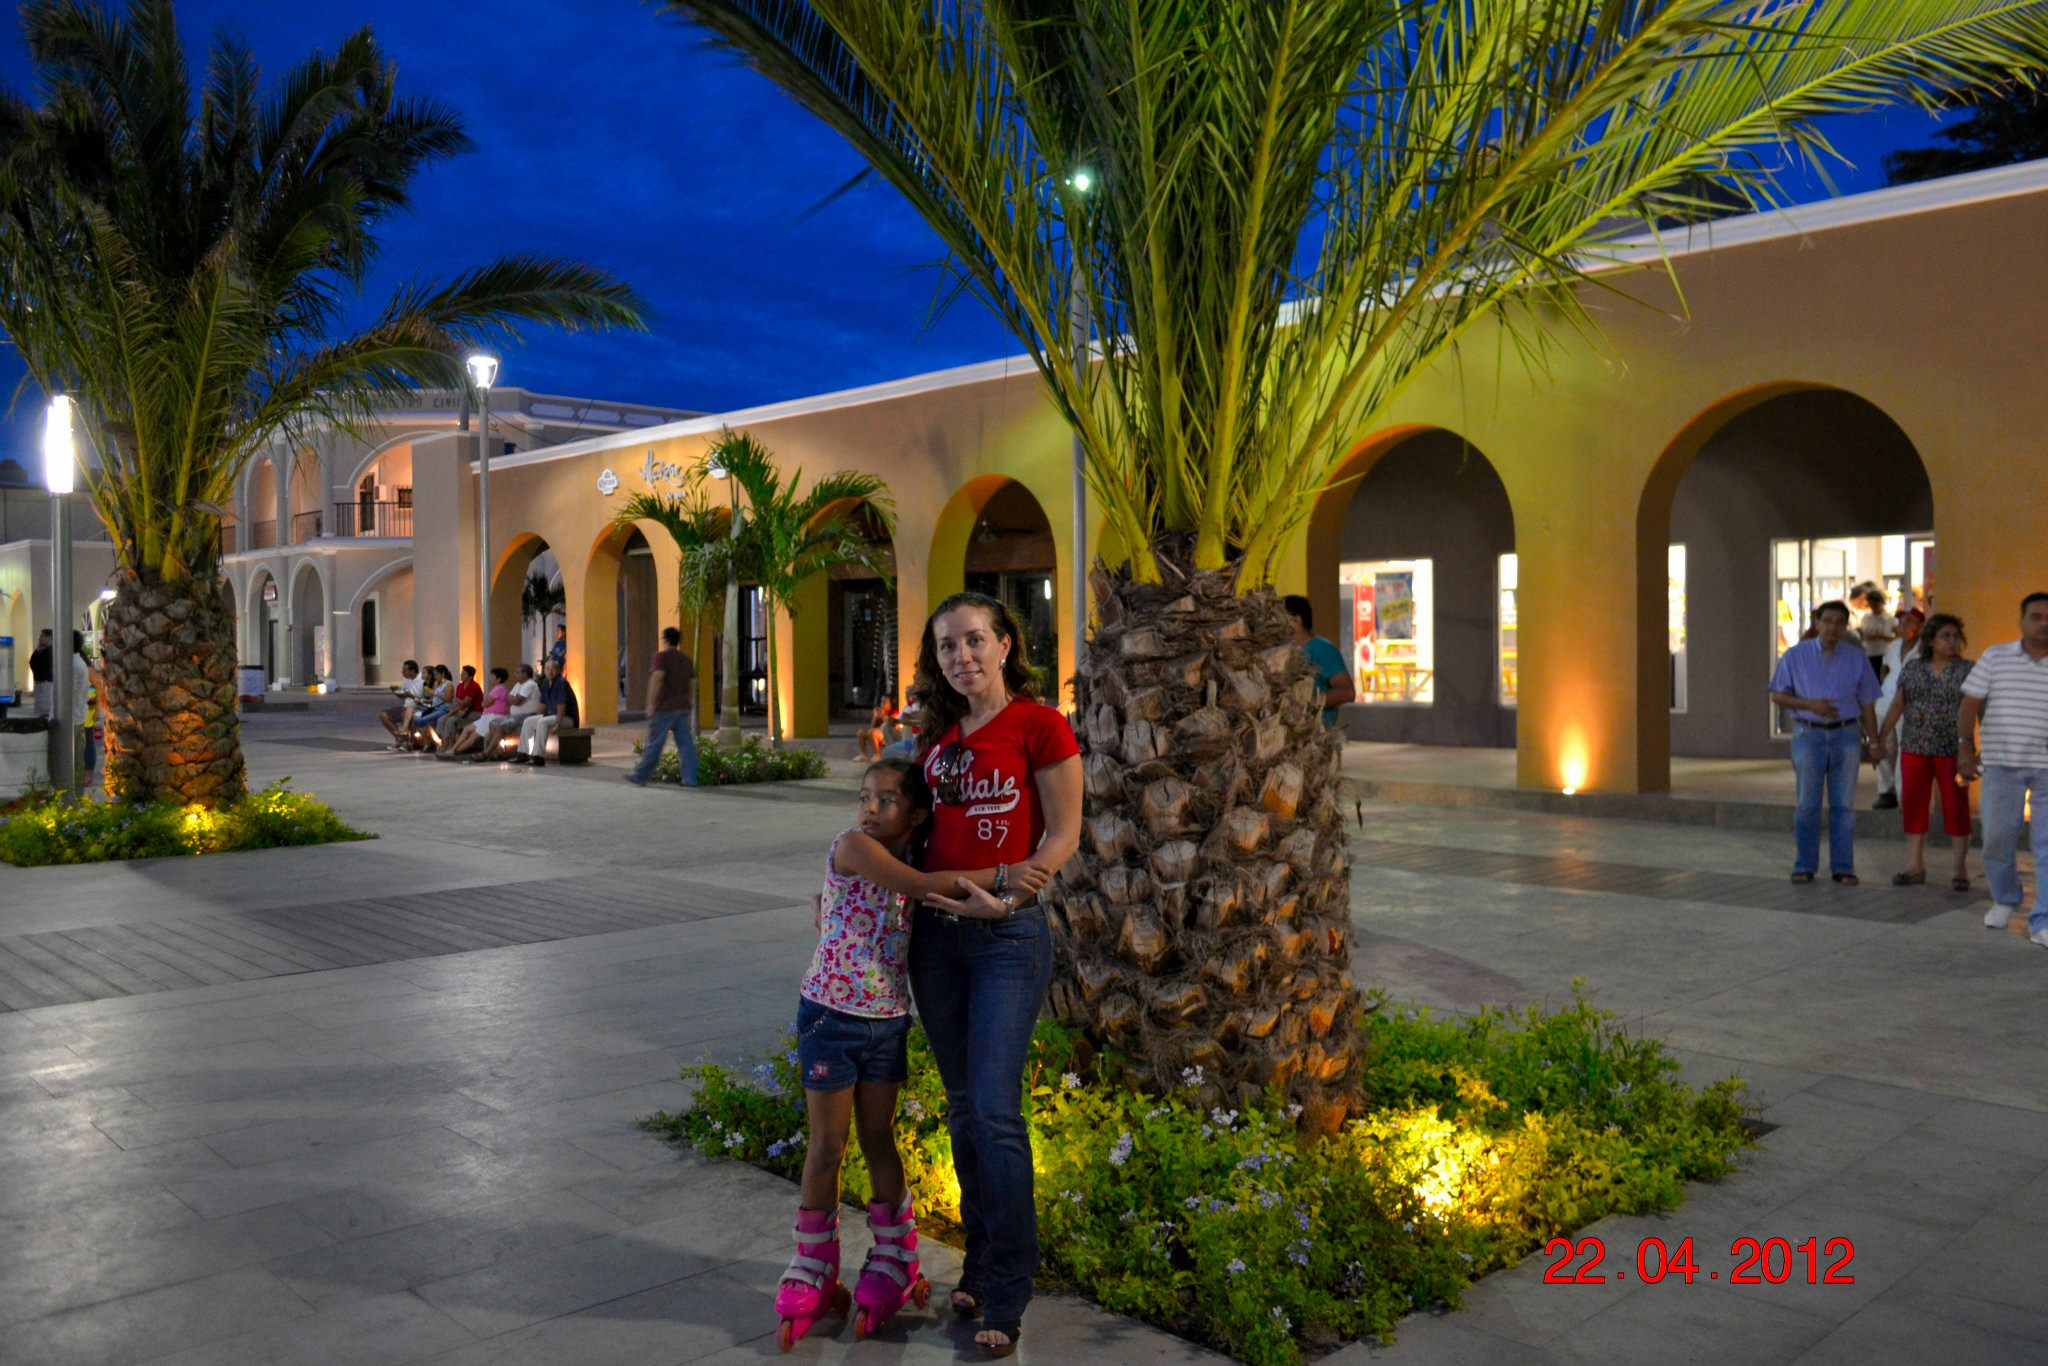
(63, 967)
(1866, 901)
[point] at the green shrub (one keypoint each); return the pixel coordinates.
(44, 828)
(750, 762)
(1485, 1137)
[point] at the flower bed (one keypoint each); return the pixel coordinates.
(749, 762)
(1486, 1137)
(43, 828)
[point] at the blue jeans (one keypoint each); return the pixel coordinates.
(979, 985)
(1830, 758)
(660, 726)
(2003, 808)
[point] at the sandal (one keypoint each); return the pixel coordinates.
(1909, 879)
(966, 1304)
(993, 1350)
(1961, 884)
(1802, 877)
(1846, 879)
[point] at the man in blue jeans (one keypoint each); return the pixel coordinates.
(671, 699)
(2008, 692)
(1833, 692)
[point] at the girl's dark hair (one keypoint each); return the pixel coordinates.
(1932, 626)
(501, 675)
(938, 705)
(910, 775)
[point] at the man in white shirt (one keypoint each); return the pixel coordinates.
(408, 690)
(525, 700)
(1903, 647)
(1878, 630)
(2008, 693)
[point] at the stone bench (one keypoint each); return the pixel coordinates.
(572, 746)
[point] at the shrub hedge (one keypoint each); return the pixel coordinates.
(749, 762)
(44, 828)
(1486, 1136)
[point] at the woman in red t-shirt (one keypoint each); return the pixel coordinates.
(1005, 773)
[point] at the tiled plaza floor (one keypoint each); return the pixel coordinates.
(373, 1103)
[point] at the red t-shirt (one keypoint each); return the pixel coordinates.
(998, 818)
(471, 693)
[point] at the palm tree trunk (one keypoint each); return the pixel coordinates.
(1206, 920)
(170, 663)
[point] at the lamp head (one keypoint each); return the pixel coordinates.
(483, 369)
(1082, 180)
(60, 449)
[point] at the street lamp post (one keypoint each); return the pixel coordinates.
(60, 476)
(729, 695)
(483, 370)
(1081, 181)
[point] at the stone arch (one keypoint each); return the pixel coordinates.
(262, 501)
(307, 497)
(371, 641)
(627, 597)
(994, 535)
(1424, 507)
(507, 580)
(311, 658)
(266, 640)
(1812, 473)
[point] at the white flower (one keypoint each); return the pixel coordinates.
(1191, 1076)
(1236, 1265)
(1280, 1317)
(1121, 1153)
(1070, 1081)
(1222, 1118)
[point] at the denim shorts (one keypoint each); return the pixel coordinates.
(834, 1050)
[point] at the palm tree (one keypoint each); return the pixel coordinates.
(539, 599)
(1273, 214)
(787, 538)
(178, 261)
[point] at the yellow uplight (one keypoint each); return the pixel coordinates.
(1574, 761)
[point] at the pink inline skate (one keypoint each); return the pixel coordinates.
(810, 1289)
(890, 1278)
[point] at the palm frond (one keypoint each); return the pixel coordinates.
(1300, 206)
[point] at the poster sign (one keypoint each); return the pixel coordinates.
(1362, 627)
(1394, 602)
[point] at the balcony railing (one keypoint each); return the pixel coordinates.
(372, 519)
(306, 527)
(228, 536)
(262, 536)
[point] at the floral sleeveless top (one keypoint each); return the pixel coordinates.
(860, 967)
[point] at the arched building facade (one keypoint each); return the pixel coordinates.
(1593, 564)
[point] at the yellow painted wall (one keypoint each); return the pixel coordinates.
(1934, 317)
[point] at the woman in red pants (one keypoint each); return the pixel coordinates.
(1930, 694)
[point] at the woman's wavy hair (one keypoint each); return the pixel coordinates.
(1932, 626)
(938, 704)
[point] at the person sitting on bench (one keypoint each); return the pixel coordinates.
(476, 736)
(557, 710)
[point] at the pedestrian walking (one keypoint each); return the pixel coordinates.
(1877, 629)
(1005, 774)
(1325, 660)
(671, 710)
(1925, 707)
(1831, 688)
(41, 676)
(2002, 736)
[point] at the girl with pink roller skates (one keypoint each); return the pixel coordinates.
(853, 1028)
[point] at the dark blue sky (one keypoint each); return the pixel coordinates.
(608, 134)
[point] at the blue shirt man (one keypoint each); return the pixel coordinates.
(1831, 687)
(1333, 679)
(559, 651)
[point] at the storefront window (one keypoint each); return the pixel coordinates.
(1388, 631)
(1510, 673)
(1674, 621)
(1807, 573)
